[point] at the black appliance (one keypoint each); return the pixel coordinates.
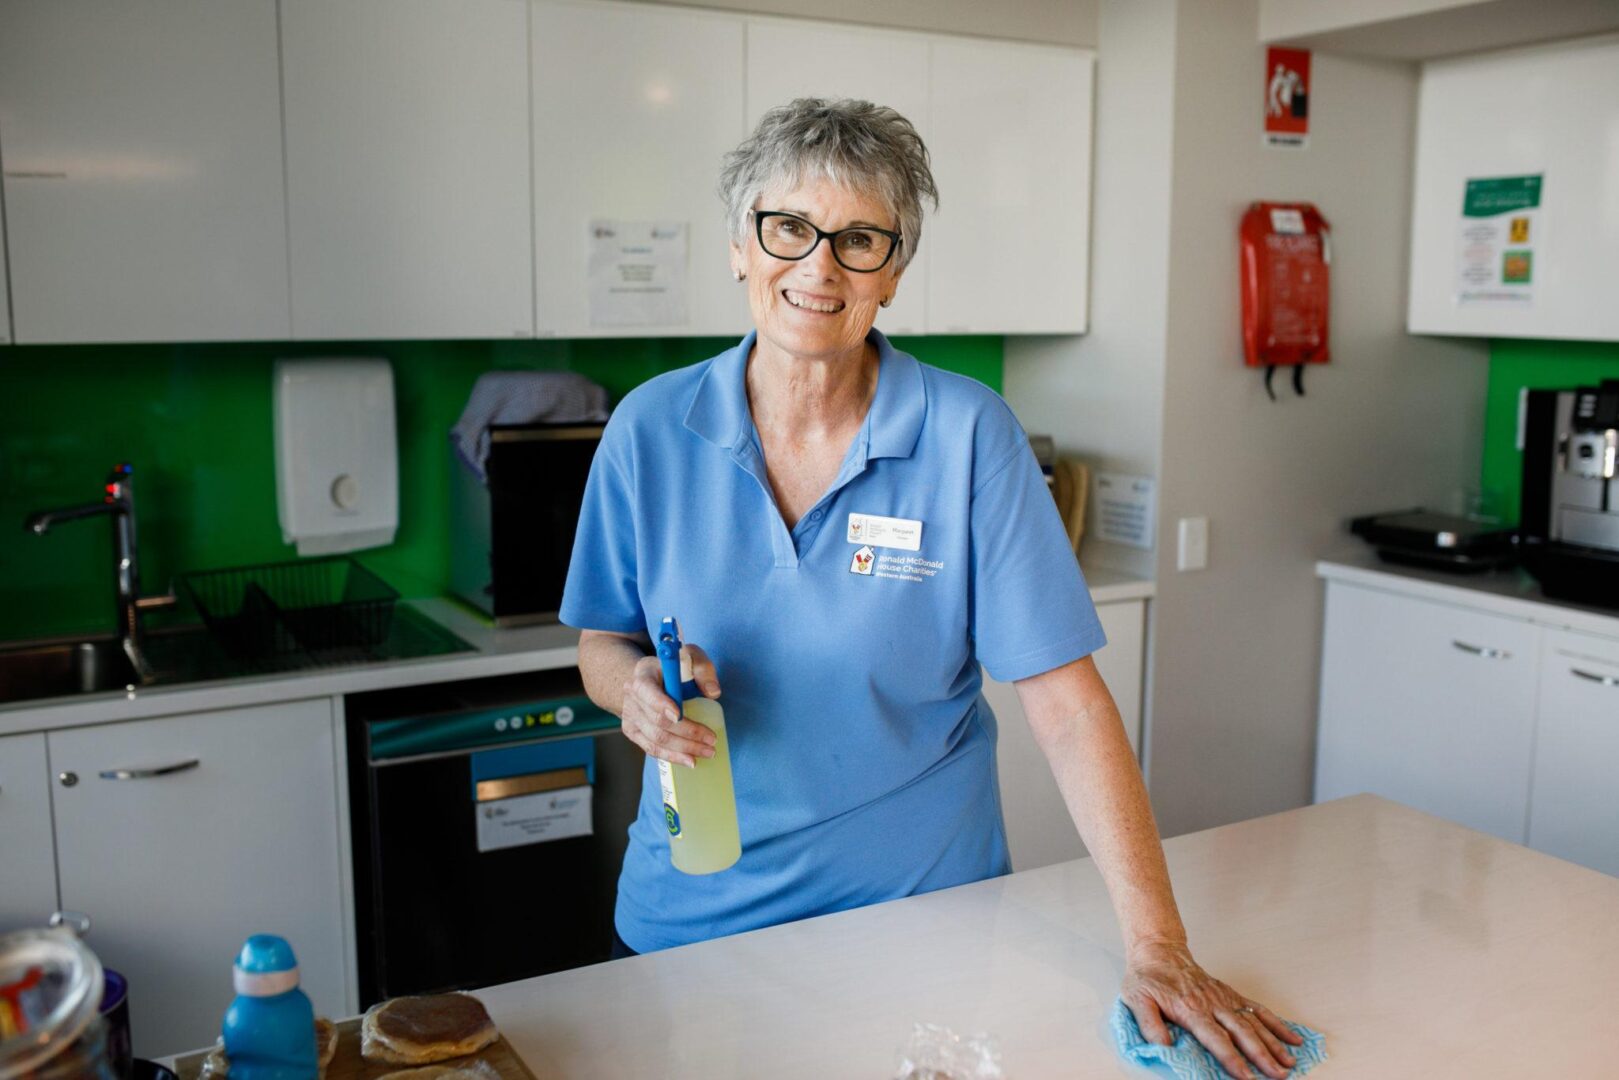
(1570, 519)
(489, 819)
(511, 536)
(1436, 541)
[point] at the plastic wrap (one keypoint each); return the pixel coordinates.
(217, 1066)
(937, 1053)
(471, 1070)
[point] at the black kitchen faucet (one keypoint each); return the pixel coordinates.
(119, 501)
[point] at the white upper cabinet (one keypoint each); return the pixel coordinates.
(407, 168)
(789, 59)
(1550, 112)
(143, 185)
(634, 109)
(1010, 132)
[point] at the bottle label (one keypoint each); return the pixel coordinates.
(671, 806)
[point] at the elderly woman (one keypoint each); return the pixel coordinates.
(848, 534)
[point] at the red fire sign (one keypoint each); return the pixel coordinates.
(1287, 97)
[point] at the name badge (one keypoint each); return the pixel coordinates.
(902, 533)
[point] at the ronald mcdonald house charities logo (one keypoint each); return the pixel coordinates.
(862, 562)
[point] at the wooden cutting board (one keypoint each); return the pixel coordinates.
(347, 1064)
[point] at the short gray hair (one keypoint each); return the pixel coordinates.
(854, 144)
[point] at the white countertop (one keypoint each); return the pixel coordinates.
(495, 652)
(1512, 592)
(1419, 947)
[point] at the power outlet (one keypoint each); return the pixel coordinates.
(1192, 553)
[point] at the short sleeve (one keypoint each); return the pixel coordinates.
(1031, 609)
(601, 592)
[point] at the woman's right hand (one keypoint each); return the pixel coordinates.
(653, 722)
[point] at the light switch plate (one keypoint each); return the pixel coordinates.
(1192, 552)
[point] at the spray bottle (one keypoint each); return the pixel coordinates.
(699, 804)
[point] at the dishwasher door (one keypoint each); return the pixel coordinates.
(443, 901)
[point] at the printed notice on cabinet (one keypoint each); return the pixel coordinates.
(1124, 509)
(637, 273)
(1499, 241)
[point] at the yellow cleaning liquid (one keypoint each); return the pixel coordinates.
(699, 804)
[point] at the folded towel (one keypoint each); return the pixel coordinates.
(522, 397)
(1188, 1060)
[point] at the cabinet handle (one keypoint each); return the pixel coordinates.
(20, 174)
(1482, 650)
(67, 779)
(1605, 680)
(144, 774)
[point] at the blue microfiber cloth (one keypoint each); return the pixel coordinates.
(1187, 1060)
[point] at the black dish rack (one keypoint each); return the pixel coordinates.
(323, 610)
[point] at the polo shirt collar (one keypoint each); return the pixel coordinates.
(719, 409)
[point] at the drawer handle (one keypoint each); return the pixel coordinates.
(21, 174)
(1605, 680)
(145, 774)
(1482, 650)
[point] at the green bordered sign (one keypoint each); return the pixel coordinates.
(1500, 194)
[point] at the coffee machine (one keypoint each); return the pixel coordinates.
(1569, 528)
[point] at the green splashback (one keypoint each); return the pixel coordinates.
(196, 422)
(1538, 365)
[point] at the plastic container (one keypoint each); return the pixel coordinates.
(699, 804)
(269, 1029)
(51, 987)
(321, 607)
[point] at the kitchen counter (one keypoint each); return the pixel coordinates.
(494, 652)
(1512, 592)
(1419, 947)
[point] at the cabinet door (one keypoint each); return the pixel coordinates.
(789, 59)
(1039, 829)
(408, 168)
(143, 186)
(634, 109)
(178, 868)
(1010, 133)
(1427, 704)
(1574, 805)
(27, 857)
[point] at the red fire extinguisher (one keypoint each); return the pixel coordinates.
(1286, 256)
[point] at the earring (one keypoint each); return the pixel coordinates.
(739, 275)
(886, 301)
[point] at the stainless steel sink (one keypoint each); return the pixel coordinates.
(73, 667)
(187, 653)
(60, 668)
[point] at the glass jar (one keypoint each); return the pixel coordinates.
(50, 1008)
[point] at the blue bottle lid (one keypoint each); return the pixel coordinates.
(266, 966)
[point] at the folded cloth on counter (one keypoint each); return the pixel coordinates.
(523, 397)
(1186, 1059)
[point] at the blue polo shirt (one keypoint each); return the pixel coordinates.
(847, 648)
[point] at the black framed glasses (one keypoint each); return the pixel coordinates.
(863, 249)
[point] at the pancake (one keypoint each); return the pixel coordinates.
(422, 1030)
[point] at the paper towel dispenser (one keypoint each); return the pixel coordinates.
(336, 456)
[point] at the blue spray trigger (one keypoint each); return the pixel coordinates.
(669, 658)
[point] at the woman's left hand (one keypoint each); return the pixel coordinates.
(1162, 982)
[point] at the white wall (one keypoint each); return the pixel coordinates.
(1055, 22)
(1102, 394)
(1393, 420)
